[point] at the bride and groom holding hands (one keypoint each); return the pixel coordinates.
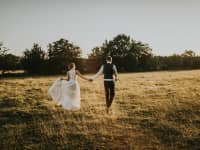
(66, 91)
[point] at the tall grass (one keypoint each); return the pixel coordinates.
(159, 110)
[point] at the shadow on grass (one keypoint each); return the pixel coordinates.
(170, 136)
(79, 141)
(14, 111)
(22, 125)
(10, 112)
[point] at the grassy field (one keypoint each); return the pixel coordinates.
(156, 110)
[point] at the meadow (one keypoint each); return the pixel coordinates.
(153, 110)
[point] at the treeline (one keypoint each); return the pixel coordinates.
(129, 56)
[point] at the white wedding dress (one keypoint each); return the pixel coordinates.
(66, 93)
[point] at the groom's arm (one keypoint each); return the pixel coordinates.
(98, 73)
(115, 72)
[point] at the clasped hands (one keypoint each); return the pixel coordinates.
(91, 79)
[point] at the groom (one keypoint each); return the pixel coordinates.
(108, 69)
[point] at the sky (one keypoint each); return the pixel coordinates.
(168, 26)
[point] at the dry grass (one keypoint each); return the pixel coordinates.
(159, 110)
(13, 71)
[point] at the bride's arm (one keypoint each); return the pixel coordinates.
(67, 78)
(81, 76)
(98, 73)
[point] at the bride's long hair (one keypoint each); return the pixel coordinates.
(71, 66)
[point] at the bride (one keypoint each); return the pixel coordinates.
(66, 91)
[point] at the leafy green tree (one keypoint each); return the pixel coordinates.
(60, 53)
(95, 59)
(33, 60)
(127, 54)
(3, 49)
(118, 48)
(12, 62)
(3, 53)
(188, 53)
(196, 62)
(96, 53)
(143, 54)
(188, 57)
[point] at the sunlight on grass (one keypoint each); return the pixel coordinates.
(158, 110)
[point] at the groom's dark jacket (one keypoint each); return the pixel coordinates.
(108, 71)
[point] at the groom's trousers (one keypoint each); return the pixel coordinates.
(109, 92)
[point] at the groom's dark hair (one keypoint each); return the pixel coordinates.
(109, 58)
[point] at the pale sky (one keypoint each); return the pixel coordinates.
(168, 26)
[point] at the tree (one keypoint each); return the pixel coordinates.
(188, 53)
(143, 54)
(127, 54)
(8, 61)
(96, 53)
(33, 60)
(95, 58)
(188, 59)
(120, 49)
(60, 53)
(3, 50)
(3, 53)
(12, 62)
